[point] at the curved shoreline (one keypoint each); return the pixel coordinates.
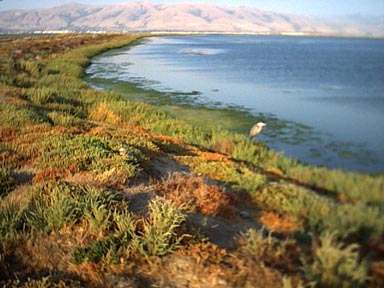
(289, 134)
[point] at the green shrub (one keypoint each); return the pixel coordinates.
(287, 283)
(358, 220)
(362, 187)
(90, 153)
(257, 242)
(17, 116)
(252, 152)
(6, 181)
(335, 265)
(318, 212)
(66, 67)
(8, 69)
(43, 282)
(97, 251)
(63, 119)
(51, 208)
(56, 204)
(240, 178)
(98, 217)
(159, 235)
(111, 245)
(39, 96)
(31, 67)
(89, 197)
(125, 224)
(11, 220)
(283, 197)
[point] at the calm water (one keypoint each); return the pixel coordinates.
(328, 92)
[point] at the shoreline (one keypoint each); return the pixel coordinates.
(287, 132)
(150, 33)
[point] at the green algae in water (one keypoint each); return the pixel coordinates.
(315, 146)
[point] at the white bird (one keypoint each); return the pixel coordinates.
(256, 129)
(122, 151)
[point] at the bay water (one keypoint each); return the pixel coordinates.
(322, 98)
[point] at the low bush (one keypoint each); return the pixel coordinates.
(64, 119)
(97, 251)
(283, 197)
(257, 242)
(51, 209)
(347, 219)
(159, 235)
(240, 178)
(11, 220)
(90, 153)
(41, 282)
(194, 195)
(31, 67)
(335, 265)
(39, 96)
(7, 182)
(17, 116)
(262, 246)
(351, 186)
(99, 217)
(125, 224)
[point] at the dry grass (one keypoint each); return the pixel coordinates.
(223, 146)
(196, 195)
(53, 174)
(220, 268)
(103, 114)
(285, 224)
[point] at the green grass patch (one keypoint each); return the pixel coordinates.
(90, 153)
(336, 265)
(18, 116)
(7, 182)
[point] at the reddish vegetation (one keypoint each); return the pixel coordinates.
(285, 224)
(38, 47)
(103, 114)
(195, 195)
(207, 265)
(54, 174)
(137, 129)
(169, 139)
(378, 273)
(210, 156)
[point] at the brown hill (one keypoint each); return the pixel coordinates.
(176, 17)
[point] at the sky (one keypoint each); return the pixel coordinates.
(322, 8)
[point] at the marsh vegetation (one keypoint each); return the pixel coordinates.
(180, 205)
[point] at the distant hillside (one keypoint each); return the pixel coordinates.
(178, 17)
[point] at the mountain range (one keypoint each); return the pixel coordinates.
(143, 16)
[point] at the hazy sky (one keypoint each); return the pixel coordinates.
(306, 7)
